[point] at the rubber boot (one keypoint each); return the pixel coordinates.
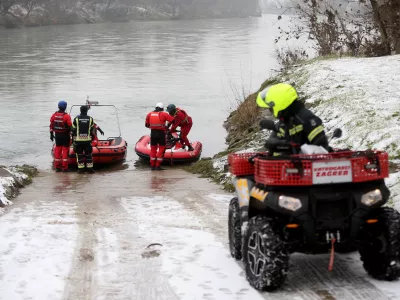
(190, 148)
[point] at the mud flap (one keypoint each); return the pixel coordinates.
(243, 187)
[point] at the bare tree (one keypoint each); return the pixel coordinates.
(336, 27)
(5, 6)
(30, 5)
(387, 18)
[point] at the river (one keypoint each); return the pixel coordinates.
(132, 66)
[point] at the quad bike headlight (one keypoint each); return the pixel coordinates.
(289, 203)
(371, 198)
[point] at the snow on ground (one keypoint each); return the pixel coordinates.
(36, 245)
(196, 263)
(8, 184)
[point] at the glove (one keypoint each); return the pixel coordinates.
(268, 124)
(101, 131)
(277, 144)
(51, 136)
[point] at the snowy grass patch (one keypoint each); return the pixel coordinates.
(11, 180)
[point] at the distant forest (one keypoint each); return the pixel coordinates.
(47, 12)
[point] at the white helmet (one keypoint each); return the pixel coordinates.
(160, 105)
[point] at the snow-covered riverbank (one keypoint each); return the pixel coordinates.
(12, 179)
(359, 95)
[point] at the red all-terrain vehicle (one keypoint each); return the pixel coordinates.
(311, 204)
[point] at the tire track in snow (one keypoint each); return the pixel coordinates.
(44, 237)
(197, 264)
(115, 269)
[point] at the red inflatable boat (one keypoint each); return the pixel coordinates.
(105, 152)
(174, 152)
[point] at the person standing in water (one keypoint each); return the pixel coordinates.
(82, 132)
(60, 126)
(156, 121)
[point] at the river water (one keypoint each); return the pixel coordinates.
(132, 66)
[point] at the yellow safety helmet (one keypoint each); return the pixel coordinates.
(277, 97)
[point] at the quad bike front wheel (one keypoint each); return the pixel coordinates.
(380, 245)
(265, 256)
(234, 227)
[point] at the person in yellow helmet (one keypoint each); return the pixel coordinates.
(301, 126)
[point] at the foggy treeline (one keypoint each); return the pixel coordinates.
(56, 10)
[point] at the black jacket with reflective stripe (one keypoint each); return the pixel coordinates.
(302, 126)
(82, 128)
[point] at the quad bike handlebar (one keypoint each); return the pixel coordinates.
(274, 144)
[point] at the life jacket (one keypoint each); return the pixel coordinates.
(186, 119)
(58, 124)
(155, 121)
(84, 126)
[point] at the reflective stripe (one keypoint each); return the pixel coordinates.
(296, 129)
(153, 158)
(58, 122)
(159, 158)
(315, 132)
(84, 137)
(57, 159)
(155, 121)
(281, 133)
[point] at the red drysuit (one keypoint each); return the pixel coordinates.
(60, 124)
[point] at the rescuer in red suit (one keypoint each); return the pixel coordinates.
(60, 126)
(182, 119)
(95, 139)
(156, 121)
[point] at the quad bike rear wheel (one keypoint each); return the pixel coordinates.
(234, 227)
(265, 256)
(380, 245)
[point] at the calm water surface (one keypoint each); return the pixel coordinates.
(132, 66)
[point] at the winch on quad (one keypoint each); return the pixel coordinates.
(311, 203)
